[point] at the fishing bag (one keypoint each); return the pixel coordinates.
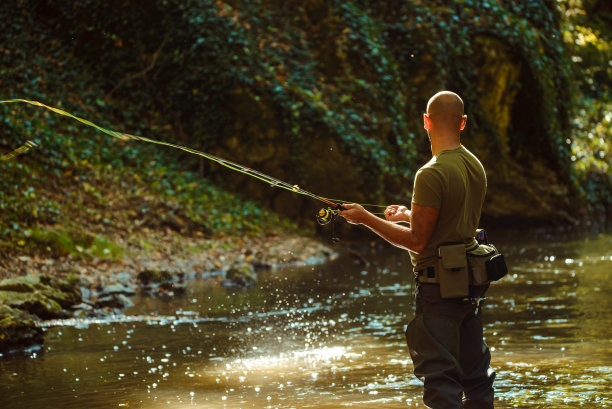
(486, 264)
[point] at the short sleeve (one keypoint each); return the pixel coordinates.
(427, 188)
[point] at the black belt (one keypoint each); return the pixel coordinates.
(431, 272)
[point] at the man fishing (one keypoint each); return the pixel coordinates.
(445, 337)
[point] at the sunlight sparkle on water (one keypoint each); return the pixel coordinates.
(325, 354)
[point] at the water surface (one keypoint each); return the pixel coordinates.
(330, 337)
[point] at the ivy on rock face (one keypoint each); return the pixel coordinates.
(280, 83)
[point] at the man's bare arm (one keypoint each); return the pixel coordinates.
(415, 238)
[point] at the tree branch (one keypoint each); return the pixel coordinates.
(140, 73)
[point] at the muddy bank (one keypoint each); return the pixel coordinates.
(37, 288)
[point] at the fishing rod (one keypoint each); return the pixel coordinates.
(324, 216)
(21, 150)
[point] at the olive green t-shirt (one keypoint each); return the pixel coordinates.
(455, 182)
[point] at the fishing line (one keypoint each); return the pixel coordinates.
(325, 216)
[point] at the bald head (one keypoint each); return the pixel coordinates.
(446, 109)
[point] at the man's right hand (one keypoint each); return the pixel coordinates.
(397, 213)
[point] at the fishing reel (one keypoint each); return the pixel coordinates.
(326, 216)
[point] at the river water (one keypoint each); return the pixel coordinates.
(331, 336)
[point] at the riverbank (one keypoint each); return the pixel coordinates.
(36, 287)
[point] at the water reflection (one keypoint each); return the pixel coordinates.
(330, 337)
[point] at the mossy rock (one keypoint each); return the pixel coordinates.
(40, 295)
(27, 283)
(114, 301)
(241, 276)
(36, 303)
(17, 329)
(63, 298)
(75, 243)
(154, 276)
(69, 285)
(16, 285)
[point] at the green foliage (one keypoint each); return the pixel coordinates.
(358, 72)
(443, 36)
(109, 199)
(62, 242)
(79, 177)
(588, 35)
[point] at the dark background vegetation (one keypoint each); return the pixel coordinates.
(325, 94)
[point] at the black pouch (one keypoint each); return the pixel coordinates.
(496, 267)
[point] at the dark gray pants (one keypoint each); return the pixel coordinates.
(448, 351)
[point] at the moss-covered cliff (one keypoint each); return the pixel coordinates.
(325, 94)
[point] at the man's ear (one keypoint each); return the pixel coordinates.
(463, 121)
(426, 122)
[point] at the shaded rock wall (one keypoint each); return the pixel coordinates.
(329, 95)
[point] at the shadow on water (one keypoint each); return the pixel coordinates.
(330, 337)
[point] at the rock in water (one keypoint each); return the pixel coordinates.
(17, 329)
